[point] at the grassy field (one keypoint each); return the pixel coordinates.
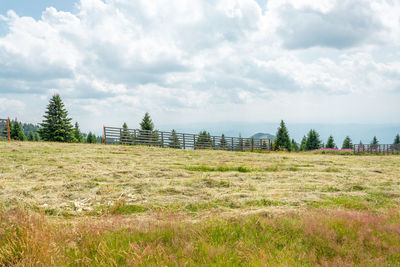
(79, 205)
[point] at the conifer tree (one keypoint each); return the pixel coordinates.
(282, 138)
(330, 143)
(222, 142)
(126, 137)
(313, 141)
(374, 143)
(397, 140)
(241, 144)
(36, 137)
(303, 144)
(173, 140)
(77, 133)
(203, 140)
(56, 125)
(16, 131)
(347, 143)
(30, 136)
(91, 138)
(295, 146)
(147, 124)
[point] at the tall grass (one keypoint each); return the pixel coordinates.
(341, 238)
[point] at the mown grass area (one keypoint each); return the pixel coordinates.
(97, 205)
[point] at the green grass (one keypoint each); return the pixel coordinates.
(218, 169)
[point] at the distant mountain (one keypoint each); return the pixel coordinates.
(263, 136)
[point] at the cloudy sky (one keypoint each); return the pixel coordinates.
(205, 61)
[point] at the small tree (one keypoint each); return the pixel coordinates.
(203, 140)
(295, 146)
(125, 135)
(147, 124)
(313, 141)
(303, 143)
(56, 125)
(173, 140)
(374, 143)
(36, 137)
(222, 142)
(397, 140)
(330, 143)
(241, 144)
(347, 143)
(91, 138)
(30, 136)
(282, 138)
(16, 131)
(77, 133)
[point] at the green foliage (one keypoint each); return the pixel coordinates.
(330, 143)
(36, 137)
(397, 140)
(56, 125)
(147, 124)
(30, 136)
(126, 137)
(347, 143)
(16, 131)
(77, 133)
(218, 169)
(203, 140)
(374, 143)
(303, 143)
(295, 146)
(313, 141)
(173, 140)
(29, 127)
(91, 138)
(282, 138)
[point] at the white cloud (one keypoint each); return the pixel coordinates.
(188, 60)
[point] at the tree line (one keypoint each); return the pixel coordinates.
(312, 141)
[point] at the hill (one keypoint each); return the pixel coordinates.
(263, 136)
(102, 205)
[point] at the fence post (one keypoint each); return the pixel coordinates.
(120, 135)
(232, 144)
(104, 132)
(162, 139)
(183, 137)
(252, 144)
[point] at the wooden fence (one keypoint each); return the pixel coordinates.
(113, 135)
(377, 149)
(5, 129)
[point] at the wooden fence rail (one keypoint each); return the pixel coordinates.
(5, 129)
(113, 135)
(377, 149)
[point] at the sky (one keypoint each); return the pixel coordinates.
(201, 63)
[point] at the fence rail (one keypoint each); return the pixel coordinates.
(377, 149)
(5, 129)
(114, 135)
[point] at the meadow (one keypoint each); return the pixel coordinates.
(98, 205)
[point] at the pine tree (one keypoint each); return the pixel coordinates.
(36, 137)
(295, 146)
(16, 131)
(126, 137)
(374, 143)
(313, 141)
(303, 143)
(147, 123)
(91, 138)
(347, 144)
(241, 144)
(282, 138)
(203, 140)
(397, 140)
(222, 142)
(30, 136)
(56, 125)
(77, 133)
(330, 143)
(173, 140)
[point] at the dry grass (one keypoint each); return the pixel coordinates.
(96, 205)
(78, 179)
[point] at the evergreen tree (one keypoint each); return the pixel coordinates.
(16, 131)
(77, 133)
(56, 125)
(313, 141)
(173, 140)
(126, 137)
(397, 140)
(330, 143)
(203, 140)
(36, 137)
(91, 138)
(282, 138)
(295, 146)
(147, 123)
(222, 142)
(247, 144)
(374, 143)
(241, 144)
(30, 136)
(303, 143)
(347, 144)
